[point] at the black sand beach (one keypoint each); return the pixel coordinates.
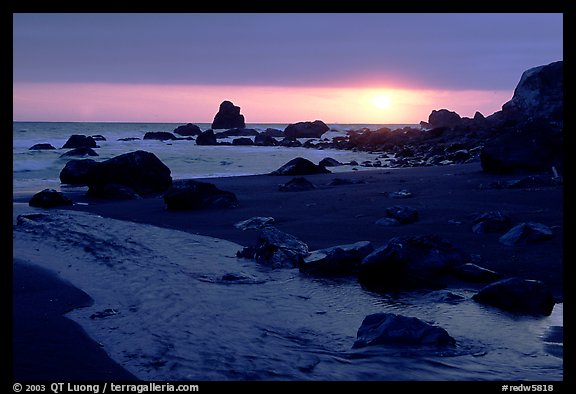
(47, 345)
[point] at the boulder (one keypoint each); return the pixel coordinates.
(491, 222)
(274, 133)
(159, 135)
(80, 152)
(444, 118)
(402, 213)
(313, 129)
(329, 162)
(78, 172)
(49, 198)
(254, 223)
(193, 195)
(207, 138)
(299, 184)
(397, 330)
(41, 147)
(300, 166)
(526, 233)
(518, 295)
(411, 262)
(336, 260)
(228, 117)
(264, 140)
(79, 141)
(279, 249)
(188, 130)
(242, 141)
(237, 132)
(140, 171)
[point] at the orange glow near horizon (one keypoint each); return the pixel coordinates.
(259, 104)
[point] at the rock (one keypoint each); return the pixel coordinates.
(140, 171)
(387, 222)
(329, 162)
(526, 233)
(128, 139)
(444, 118)
(243, 141)
(475, 273)
(207, 138)
(411, 262)
(79, 141)
(279, 249)
(518, 295)
(159, 135)
(80, 152)
(77, 172)
(397, 330)
(264, 140)
(192, 195)
(290, 142)
(274, 133)
(41, 147)
(306, 129)
(49, 198)
(491, 222)
(228, 117)
(296, 185)
(188, 130)
(254, 223)
(237, 132)
(300, 166)
(402, 213)
(336, 260)
(400, 194)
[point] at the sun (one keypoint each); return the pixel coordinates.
(381, 101)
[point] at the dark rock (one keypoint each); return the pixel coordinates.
(526, 233)
(387, 222)
(159, 135)
(243, 141)
(237, 132)
(41, 147)
(329, 162)
(254, 223)
(207, 138)
(411, 262)
(491, 222)
(77, 172)
(460, 156)
(518, 295)
(402, 213)
(297, 185)
(103, 314)
(400, 194)
(475, 273)
(444, 118)
(274, 133)
(397, 330)
(49, 198)
(264, 140)
(140, 171)
(300, 166)
(306, 129)
(79, 141)
(129, 139)
(279, 249)
(80, 152)
(188, 130)
(192, 195)
(336, 260)
(290, 142)
(228, 117)
(343, 181)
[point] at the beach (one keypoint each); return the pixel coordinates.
(178, 255)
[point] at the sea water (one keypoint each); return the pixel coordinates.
(35, 170)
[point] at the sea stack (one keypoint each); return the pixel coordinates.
(228, 117)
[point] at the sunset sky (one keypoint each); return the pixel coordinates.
(279, 68)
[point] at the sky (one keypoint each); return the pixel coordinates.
(279, 68)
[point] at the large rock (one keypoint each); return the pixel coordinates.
(518, 295)
(159, 135)
(299, 184)
(306, 129)
(78, 172)
(79, 152)
(444, 118)
(79, 141)
(336, 260)
(45, 146)
(278, 249)
(491, 222)
(188, 130)
(228, 117)
(207, 138)
(140, 171)
(300, 166)
(397, 330)
(49, 198)
(526, 233)
(411, 262)
(193, 195)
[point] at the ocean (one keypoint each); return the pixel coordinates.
(172, 316)
(35, 170)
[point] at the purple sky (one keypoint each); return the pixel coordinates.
(453, 52)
